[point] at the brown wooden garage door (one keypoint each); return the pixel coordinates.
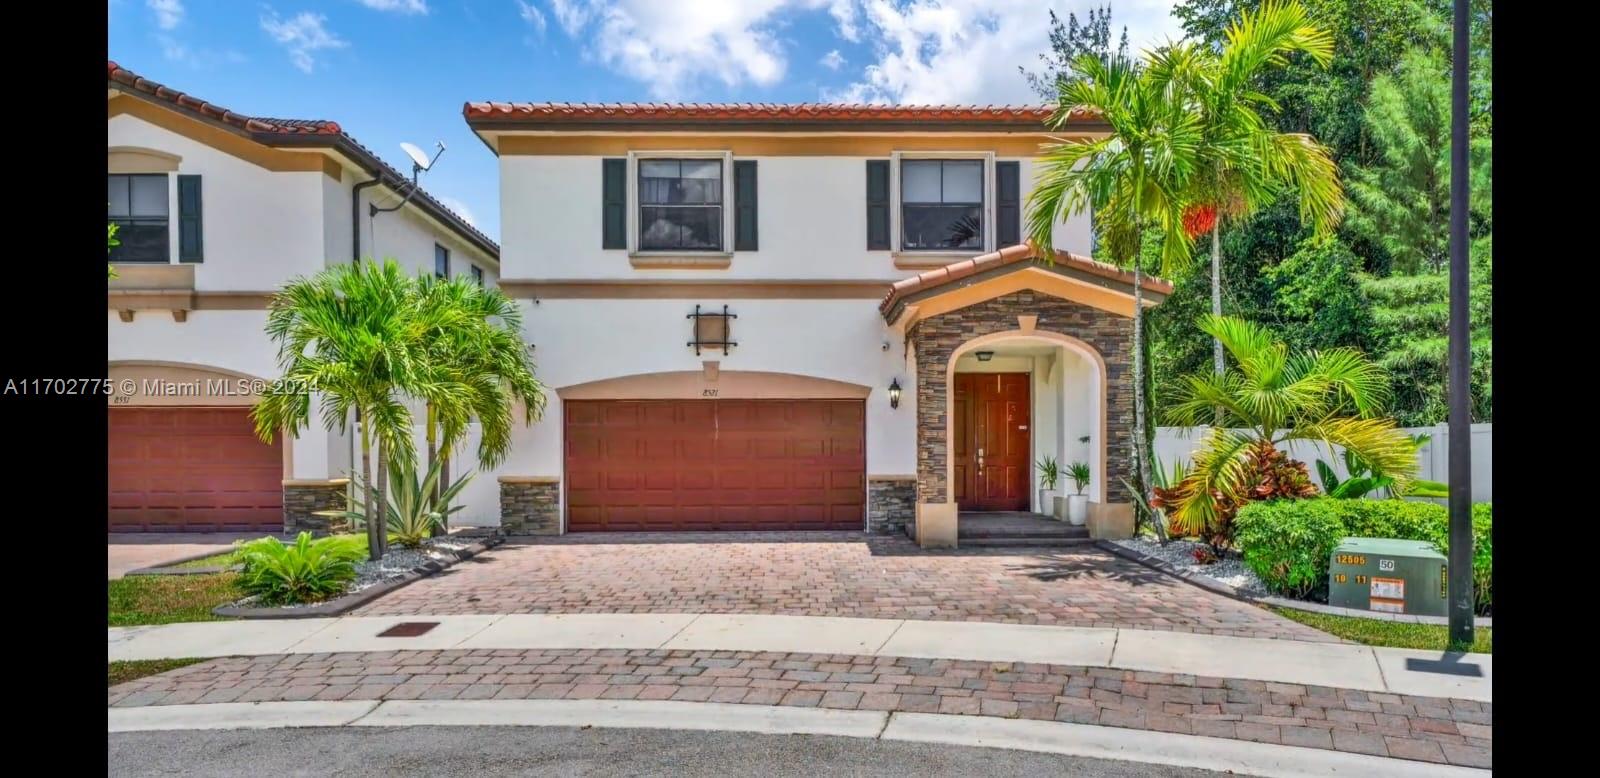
(191, 470)
(645, 465)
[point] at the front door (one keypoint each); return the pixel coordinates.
(992, 441)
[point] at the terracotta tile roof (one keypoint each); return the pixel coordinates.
(1010, 255)
(272, 131)
(799, 114)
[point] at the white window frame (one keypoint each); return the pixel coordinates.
(895, 233)
(725, 156)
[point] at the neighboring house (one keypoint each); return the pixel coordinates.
(771, 317)
(217, 211)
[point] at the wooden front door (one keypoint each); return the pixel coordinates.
(992, 429)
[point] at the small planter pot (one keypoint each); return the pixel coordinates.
(1078, 509)
(1047, 501)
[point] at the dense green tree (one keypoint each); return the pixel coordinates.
(1070, 41)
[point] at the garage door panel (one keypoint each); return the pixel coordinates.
(190, 469)
(715, 464)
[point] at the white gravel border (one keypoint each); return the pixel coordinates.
(1229, 570)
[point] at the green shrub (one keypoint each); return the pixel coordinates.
(303, 571)
(1287, 542)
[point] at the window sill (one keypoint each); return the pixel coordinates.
(686, 260)
(923, 260)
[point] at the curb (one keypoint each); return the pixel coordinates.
(1213, 585)
(1084, 740)
(353, 601)
(167, 567)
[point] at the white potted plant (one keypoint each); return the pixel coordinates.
(1078, 504)
(1049, 474)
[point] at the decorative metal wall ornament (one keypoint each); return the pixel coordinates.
(711, 330)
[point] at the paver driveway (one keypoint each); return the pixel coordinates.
(828, 574)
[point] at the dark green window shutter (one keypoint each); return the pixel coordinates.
(744, 205)
(615, 216)
(877, 204)
(1008, 203)
(189, 242)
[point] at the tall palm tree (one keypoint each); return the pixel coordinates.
(1134, 179)
(477, 337)
(1244, 162)
(1335, 397)
(354, 335)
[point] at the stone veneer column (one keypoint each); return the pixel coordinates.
(530, 505)
(934, 339)
(891, 503)
(303, 498)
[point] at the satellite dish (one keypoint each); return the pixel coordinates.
(417, 157)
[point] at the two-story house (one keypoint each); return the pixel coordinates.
(216, 211)
(770, 317)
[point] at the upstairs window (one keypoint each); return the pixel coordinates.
(139, 209)
(941, 204)
(477, 274)
(441, 261)
(680, 205)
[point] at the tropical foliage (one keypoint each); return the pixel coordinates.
(416, 509)
(369, 340)
(1080, 474)
(1362, 479)
(1369, 286)
(1049, 473)
(278, 573)
(1269, 396)
(111, 243)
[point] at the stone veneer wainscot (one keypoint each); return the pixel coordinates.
(302, 499)
(891, 503)
(530, 505)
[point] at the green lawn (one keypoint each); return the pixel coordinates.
(165, 599)
(215, 560)
(1374, 632)
(122, 672)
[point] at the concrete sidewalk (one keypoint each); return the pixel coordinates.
(135, 550)
(1281, 661)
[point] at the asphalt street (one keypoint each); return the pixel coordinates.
(496, 751)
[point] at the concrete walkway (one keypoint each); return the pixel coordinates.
(135, 550)
(1343, 666)
(1236, 756)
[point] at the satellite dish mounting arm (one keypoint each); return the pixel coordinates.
(417, 169)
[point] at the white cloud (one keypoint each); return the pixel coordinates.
(532, 15)
(844, 18)
(968, 51)
(301, 36)
(673, 46)
(833, 60)
(402, 6)
(572, 14)
(461, 210)
(169, 13)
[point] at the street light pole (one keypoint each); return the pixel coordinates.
(1460, 387)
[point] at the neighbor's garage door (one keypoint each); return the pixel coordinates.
(715, 464)
(191, 470)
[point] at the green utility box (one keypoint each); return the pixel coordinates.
(1390, 576)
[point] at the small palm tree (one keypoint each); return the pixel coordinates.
(1134, 179)
(476, 336)
(355, 335)
(1273, 396)
(1245, 163)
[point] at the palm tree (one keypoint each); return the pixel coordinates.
(354, 334)
(477, 338)
(1134, 179)
(1335, 397)
(1245, 163)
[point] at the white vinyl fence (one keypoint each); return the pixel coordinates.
(1433, 459)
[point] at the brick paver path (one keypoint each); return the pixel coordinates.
(1420, 728)
(828, 574)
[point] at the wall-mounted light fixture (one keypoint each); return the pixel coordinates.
(894, 393)
(985, 356)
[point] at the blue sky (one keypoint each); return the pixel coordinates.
(399, 70)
